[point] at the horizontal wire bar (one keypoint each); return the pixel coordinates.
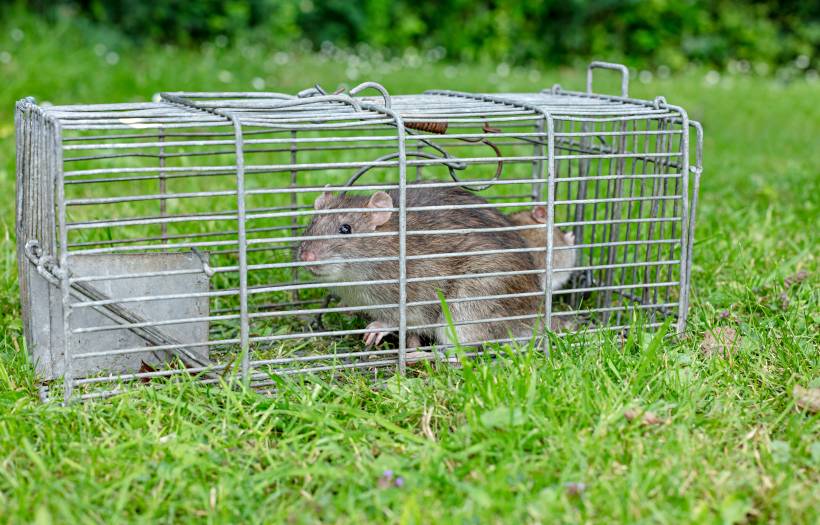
(615, 287)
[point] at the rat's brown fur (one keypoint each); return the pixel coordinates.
(344, 249)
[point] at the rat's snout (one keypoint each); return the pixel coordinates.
(307, 256)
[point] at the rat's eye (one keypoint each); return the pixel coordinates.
(344, 229)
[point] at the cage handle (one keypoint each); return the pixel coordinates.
(614, 67)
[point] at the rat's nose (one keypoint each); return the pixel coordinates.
(308, 256)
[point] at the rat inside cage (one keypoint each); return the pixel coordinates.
(279, 234)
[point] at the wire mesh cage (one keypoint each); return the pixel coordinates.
(265, 234)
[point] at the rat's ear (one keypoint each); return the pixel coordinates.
(380, 199)
(539, 214)
(322, 201)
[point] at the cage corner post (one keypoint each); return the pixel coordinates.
(683, 296)
(242, 240)
(64, 267)
(697, 171)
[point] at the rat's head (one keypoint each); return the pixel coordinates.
(344, 225)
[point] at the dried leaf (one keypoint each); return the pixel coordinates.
(807, 398)
(649, 418)
(796, 278)
(722, 340)
(426, 416)
(144, 369)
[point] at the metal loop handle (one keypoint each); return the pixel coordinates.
(378, 87)
(614, 67)
(698, 146)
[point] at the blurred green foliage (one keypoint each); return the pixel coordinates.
(639, 32)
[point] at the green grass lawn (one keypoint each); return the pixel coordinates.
(518, 440)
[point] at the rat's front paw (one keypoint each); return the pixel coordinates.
(374, 338)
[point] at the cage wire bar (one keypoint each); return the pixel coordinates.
(168, 238)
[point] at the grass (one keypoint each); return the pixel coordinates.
(505, 441)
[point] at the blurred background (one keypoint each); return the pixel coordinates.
(367, 38)
(763, 35)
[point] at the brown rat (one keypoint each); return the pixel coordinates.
(341, 250)
(537, 237)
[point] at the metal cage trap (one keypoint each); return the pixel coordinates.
(268, 234)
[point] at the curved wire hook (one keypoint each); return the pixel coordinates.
(378, 87)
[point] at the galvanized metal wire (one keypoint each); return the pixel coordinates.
(212, 193)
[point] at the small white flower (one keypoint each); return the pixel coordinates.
(258, 83)
(502, 70)
(17, 34)
(112, 58)
(5, 57)
(645, 76)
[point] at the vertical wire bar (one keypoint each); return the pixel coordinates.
(537, 165)
(402, 245)
(684, 258)
(642, 188)
(571, 188)
(671, 249)
(244, 322)
(630, 206)
(698, 171)
(401, 133)
(615, 211)
(663, 164)
(163, 205)
(578, 229)
(294, 221)
(550, 227)
(653, 212)
(599, 298)
(21, 181)
(65, 284)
